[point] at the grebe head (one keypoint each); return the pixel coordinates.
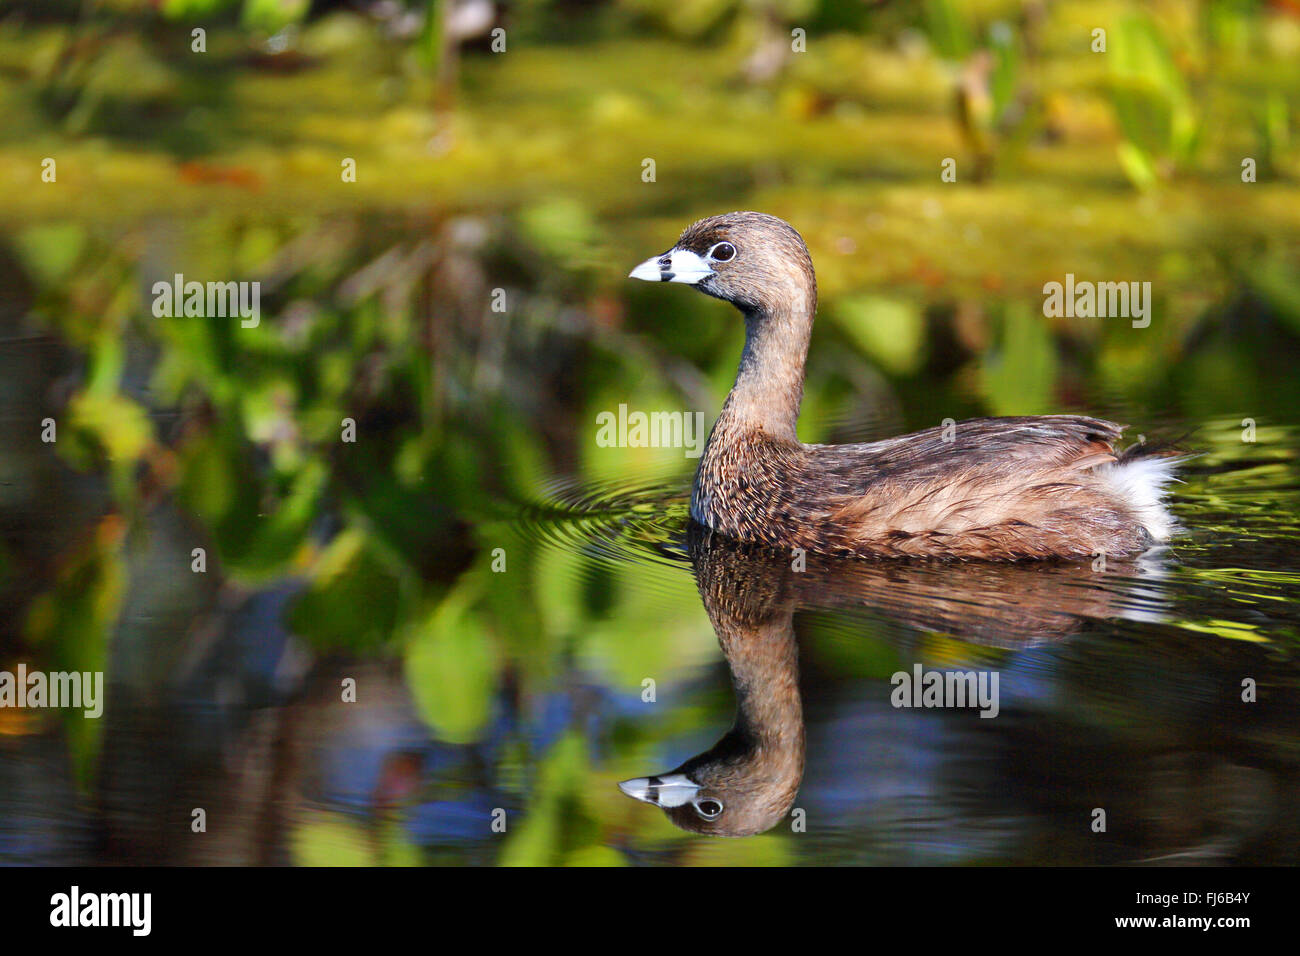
(732, 790)
(757, 262)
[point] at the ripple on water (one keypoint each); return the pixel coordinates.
(634, 530)
(1231, 574)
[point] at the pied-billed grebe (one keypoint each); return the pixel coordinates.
(1049, 486)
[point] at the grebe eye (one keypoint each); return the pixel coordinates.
(709, 809)
(722, 252)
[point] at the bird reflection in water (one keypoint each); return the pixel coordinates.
(747, 782)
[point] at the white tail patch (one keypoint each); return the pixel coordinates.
(1141, 483)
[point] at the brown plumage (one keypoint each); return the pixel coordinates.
(1050, 486)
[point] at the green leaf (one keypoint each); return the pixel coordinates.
(1138, 166)
(353, 599)
(890, 331)
(451, 666)
(271, 16)
(329, 839)
(1019, 376)
(51, 251)
(948, 30)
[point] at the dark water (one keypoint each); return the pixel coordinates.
(1120, 697)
